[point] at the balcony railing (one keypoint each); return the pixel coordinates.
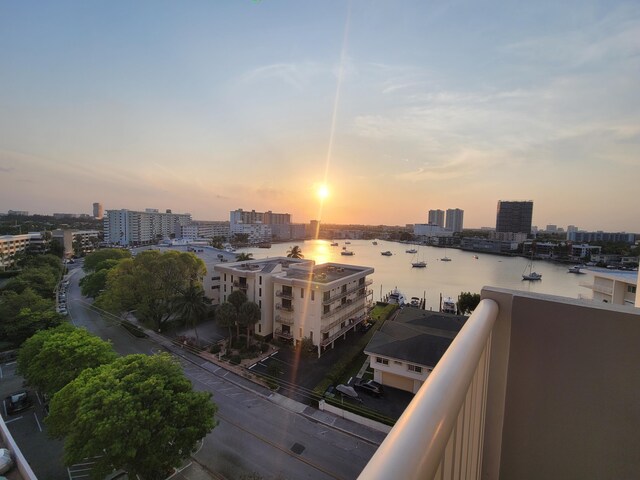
(280, 293)
(342, 331)
(285, 320)
(241, 285)
(338, 296)
(280, 333)
(346, 305)
(283, 307)
(440, 434)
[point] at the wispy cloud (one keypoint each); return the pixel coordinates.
(296, 75)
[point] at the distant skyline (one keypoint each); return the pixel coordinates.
(398, 107)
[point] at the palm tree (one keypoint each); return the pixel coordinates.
(237, 298)
(227, 316)
(243, 257)
(192, 305)
(295, 252)
(248, 316)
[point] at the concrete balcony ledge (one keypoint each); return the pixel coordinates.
(553, 394)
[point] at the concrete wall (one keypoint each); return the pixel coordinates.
(564, 389)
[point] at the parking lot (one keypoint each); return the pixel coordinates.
(27, 428)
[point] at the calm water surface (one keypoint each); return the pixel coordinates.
(462, 274)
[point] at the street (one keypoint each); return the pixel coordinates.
(254, 434)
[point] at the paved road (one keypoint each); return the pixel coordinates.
(254, 433)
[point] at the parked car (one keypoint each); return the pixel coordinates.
(18, 401)
(371, 387)
(6, 463)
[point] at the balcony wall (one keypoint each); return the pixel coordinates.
(564, 389)
(534, 386)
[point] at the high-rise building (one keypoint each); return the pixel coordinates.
(514, 217)
(98, 211)
(267, 218)
(454, 219)
(127, 227)
(436, 217)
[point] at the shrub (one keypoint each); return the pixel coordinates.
(235, 359)
(215, 348)
(264, 347)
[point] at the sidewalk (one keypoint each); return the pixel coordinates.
(241, 378)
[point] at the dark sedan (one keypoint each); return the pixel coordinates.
(18, 401)
(371, 387)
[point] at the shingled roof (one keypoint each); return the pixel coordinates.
(416, 336)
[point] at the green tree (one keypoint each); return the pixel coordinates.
(192, 305)
(52, 358)
(138, 413)
(150, 283)
(227, 317)
(92, 260)
(27, 322)
(248, 316)
(467, 302)
(94, 283)
(243, 257)
(241, 237)
(295, 252)
(42, 280)
(237, 298)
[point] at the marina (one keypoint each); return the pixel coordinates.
(467, 272)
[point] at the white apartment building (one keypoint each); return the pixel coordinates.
(86, 240)
(268, 218)
(436, 217)
(582, 250)
(430, 230)
(128, 227)
(618, 287)
(10, 245)
(256, 232)
(299, 299)
(454, 221)
(203, 229)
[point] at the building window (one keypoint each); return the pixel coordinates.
(414, 368)
(225, 277)
(302, 293)
(381, 360)
(259, 328)
(260, 303)
(342, 325)
(326, 309)
(260, 292)
(325, 335)
(313, 297)
(344, 288)
(361, 281)
(631, 289)
(225, 288)
(260, 280)
(326, 296)
(300, 332)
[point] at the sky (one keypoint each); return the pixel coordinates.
(397, 107)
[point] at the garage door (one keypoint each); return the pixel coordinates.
(396, 381)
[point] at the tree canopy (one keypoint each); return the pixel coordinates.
(295, 252)
(243, 257)
(150, 283)
(467, 302)
(138, 413)
(52, 358)
(227, 316)
(248, 316)
(23, 314)
(92, 260)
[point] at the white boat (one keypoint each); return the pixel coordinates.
(419, 264)
(412, 250)
(346, 252)
(386, 254)
(575, 269)
(475, 257)
(528, 273)
(396, 297)
(445, 259)
(415, 302)
(448, 306)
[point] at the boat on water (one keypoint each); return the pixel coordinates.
(448, 306)
(411, 250)
(529, 274)
(347, 243)
(419, 264)
(396, 297)
(346, 252)
(386, 254)
(374, 243)
(334, 244)
(445, 259)
(475, 257)
(575, 269)
(264, 245)
(415, 302)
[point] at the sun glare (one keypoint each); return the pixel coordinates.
(323, 192)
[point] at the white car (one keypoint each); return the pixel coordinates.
(6, 462)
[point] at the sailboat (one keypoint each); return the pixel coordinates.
(417, 263)
(445, 258)
(531, 275)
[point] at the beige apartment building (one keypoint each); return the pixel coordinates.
(299, 299)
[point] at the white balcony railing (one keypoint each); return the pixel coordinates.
(440, 434)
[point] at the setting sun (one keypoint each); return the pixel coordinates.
(323, 192)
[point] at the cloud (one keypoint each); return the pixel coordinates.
(296, 75)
